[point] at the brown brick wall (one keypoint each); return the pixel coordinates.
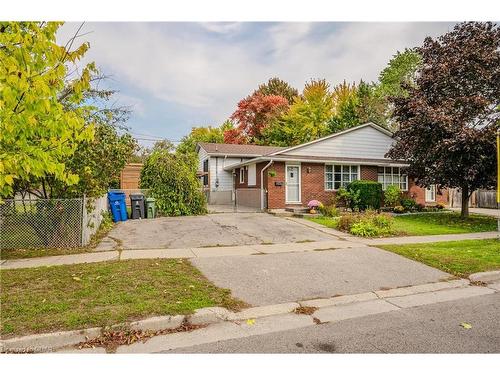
(313, 184)
(276, 194)
(418, 193)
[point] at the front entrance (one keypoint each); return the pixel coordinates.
(430, 193)
(292, 184)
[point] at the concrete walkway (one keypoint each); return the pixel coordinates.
(200, 252)
(427, 239)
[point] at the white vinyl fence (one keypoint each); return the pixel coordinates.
(50, 223)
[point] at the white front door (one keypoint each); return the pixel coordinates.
(292, 184)
(430, 193)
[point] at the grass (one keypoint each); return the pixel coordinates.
(105, 227)
(330, 222)
(422, 224)
(443, 223)
(45, 299)
(460, 258)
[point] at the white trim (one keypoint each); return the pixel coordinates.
(432, 190)
(333, 173)
(286, 183)
(252, 175)
(375, 126)
(390, 163)
(242, 175)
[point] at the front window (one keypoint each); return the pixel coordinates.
(393, 176)
(340, 175)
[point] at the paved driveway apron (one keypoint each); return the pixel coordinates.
(227, 229)
(277, 278)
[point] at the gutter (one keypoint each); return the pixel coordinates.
(262, 183)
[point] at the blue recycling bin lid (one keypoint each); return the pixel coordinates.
(116, 195)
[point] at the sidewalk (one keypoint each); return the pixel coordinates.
(200, 252)
(346, 241)
(426, 239)
(482, 211)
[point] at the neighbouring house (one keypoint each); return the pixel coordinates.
(215, 158)
(276, 178)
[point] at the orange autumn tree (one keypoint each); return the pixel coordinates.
(254, 113)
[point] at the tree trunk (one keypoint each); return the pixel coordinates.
(465, 202)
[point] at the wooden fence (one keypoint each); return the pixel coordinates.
(479, 198)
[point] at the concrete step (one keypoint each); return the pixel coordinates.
(297, 210)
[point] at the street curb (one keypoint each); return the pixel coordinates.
(485, 277)
(48, 342)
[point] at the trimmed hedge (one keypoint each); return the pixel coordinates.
(370, 194)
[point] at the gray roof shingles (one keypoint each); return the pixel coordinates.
(234, 149)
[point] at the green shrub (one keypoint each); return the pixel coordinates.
(172, 181)
(392, 195)
(399, 209)
(364, 229)
(409, 204)
(419, 207)
(369, 194)
(346, 221)
(366, 224)
(347, 198)
(330, 210)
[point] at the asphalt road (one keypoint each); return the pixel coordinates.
(427, 329)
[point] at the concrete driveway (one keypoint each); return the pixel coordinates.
(286, 277)
(225, 229)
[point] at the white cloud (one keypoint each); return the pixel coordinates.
(221, 27)
(211, 74)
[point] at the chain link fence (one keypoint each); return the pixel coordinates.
(49, 223)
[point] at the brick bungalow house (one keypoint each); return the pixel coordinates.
(276, 178)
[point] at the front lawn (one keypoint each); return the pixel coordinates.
(55, 298)
(443, 223)
(422, 224)
(460, 258)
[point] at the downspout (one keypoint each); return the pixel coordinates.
(262, 184)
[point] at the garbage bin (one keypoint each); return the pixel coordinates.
(150, 208)
(137, 206)
(118, 207)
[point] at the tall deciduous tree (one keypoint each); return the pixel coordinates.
(450, 116)
(276, 86)
(37, 132)
(345, 98)
(307, 118)
(203, 134)
(253, 114)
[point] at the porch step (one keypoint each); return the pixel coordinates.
(297, 210)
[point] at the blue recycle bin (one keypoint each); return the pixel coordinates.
(118, 206)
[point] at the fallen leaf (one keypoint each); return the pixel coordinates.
(76, 278)
(191, 286)
(98, 277)
(250, 322)
(466, 325)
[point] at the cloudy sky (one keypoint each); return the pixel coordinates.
(179, 75)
